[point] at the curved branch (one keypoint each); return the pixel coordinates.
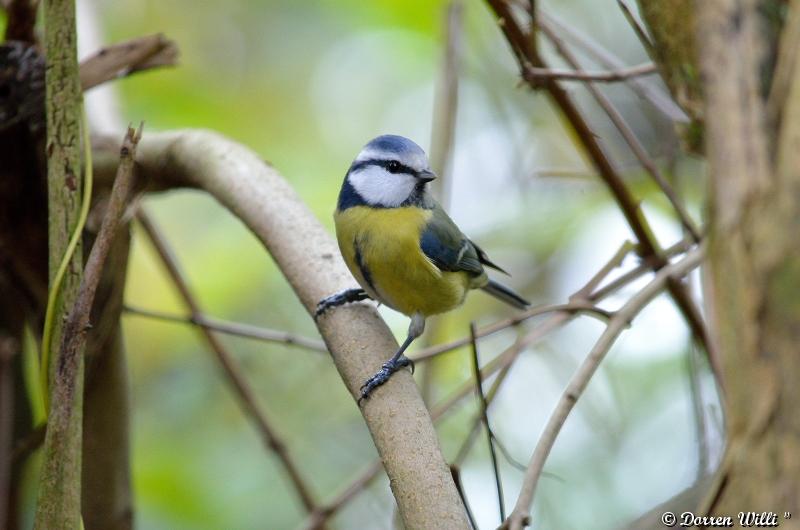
(358, 339)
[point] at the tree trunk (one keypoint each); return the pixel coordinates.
(754, 276)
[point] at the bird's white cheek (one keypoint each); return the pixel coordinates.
(379, 187)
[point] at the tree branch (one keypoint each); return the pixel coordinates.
(520, 516)
(309, 259)
(235, 378)
(237, 329)
(648, 247)
(534, 74)
(59, 500)
(483, 405)
(630, 138)
(650, 92)
(59, 482)
(126, 58)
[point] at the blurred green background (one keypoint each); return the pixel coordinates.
(306, 84)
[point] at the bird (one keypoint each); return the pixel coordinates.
(401, 246)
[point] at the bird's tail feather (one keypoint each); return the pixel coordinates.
(501, 292)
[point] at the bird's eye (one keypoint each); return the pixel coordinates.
(393, 166)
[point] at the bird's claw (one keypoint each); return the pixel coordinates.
(383, 375)
(327, 303)
(337, 299)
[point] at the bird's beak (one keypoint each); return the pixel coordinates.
(426, 175)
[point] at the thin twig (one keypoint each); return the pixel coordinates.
(678, 248)
(628, 135)
(647, 245)
(476, 370)
(446, 103)
(572, 307)
(237, 329)
(235, 378)
(507, 454)
(533, 41)
(535, 74)
(615, 262)
(455, 471)
(563, 172)
(584, 293)
(638, 29)
(646, 90)
(521, 515)
(698, 413)
(126, 58)
(318, 517)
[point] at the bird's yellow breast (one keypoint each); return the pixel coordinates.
(381, 247)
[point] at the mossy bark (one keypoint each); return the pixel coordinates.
(59, 498)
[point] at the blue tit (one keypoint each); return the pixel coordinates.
(402, 247)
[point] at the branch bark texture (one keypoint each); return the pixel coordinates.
(358, 339)
(59, 492)
(60, 479)
(754, 255)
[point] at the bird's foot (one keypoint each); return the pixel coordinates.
(340, 298)
(383, 375)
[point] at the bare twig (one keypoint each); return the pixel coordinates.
(698, 413)
(584, 293)
(446, 103)
(62, 445)
(483, 404)
(507, 454)
(318, 517)
(237, 329)
(564, 172)
(572, 307)
(628, 135)
(621, 320)
(456, 472)
(645, 89)
(126, 58)
(638, 29)
(235, 378)
(536, 75)
(678, 248)
(647, 245)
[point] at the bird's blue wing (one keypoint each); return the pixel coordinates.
(444, 244)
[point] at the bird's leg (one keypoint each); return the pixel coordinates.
(398, 360)
(340, 298)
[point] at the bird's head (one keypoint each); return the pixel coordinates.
(390, 171)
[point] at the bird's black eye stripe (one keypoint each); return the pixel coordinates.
(392, 166)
